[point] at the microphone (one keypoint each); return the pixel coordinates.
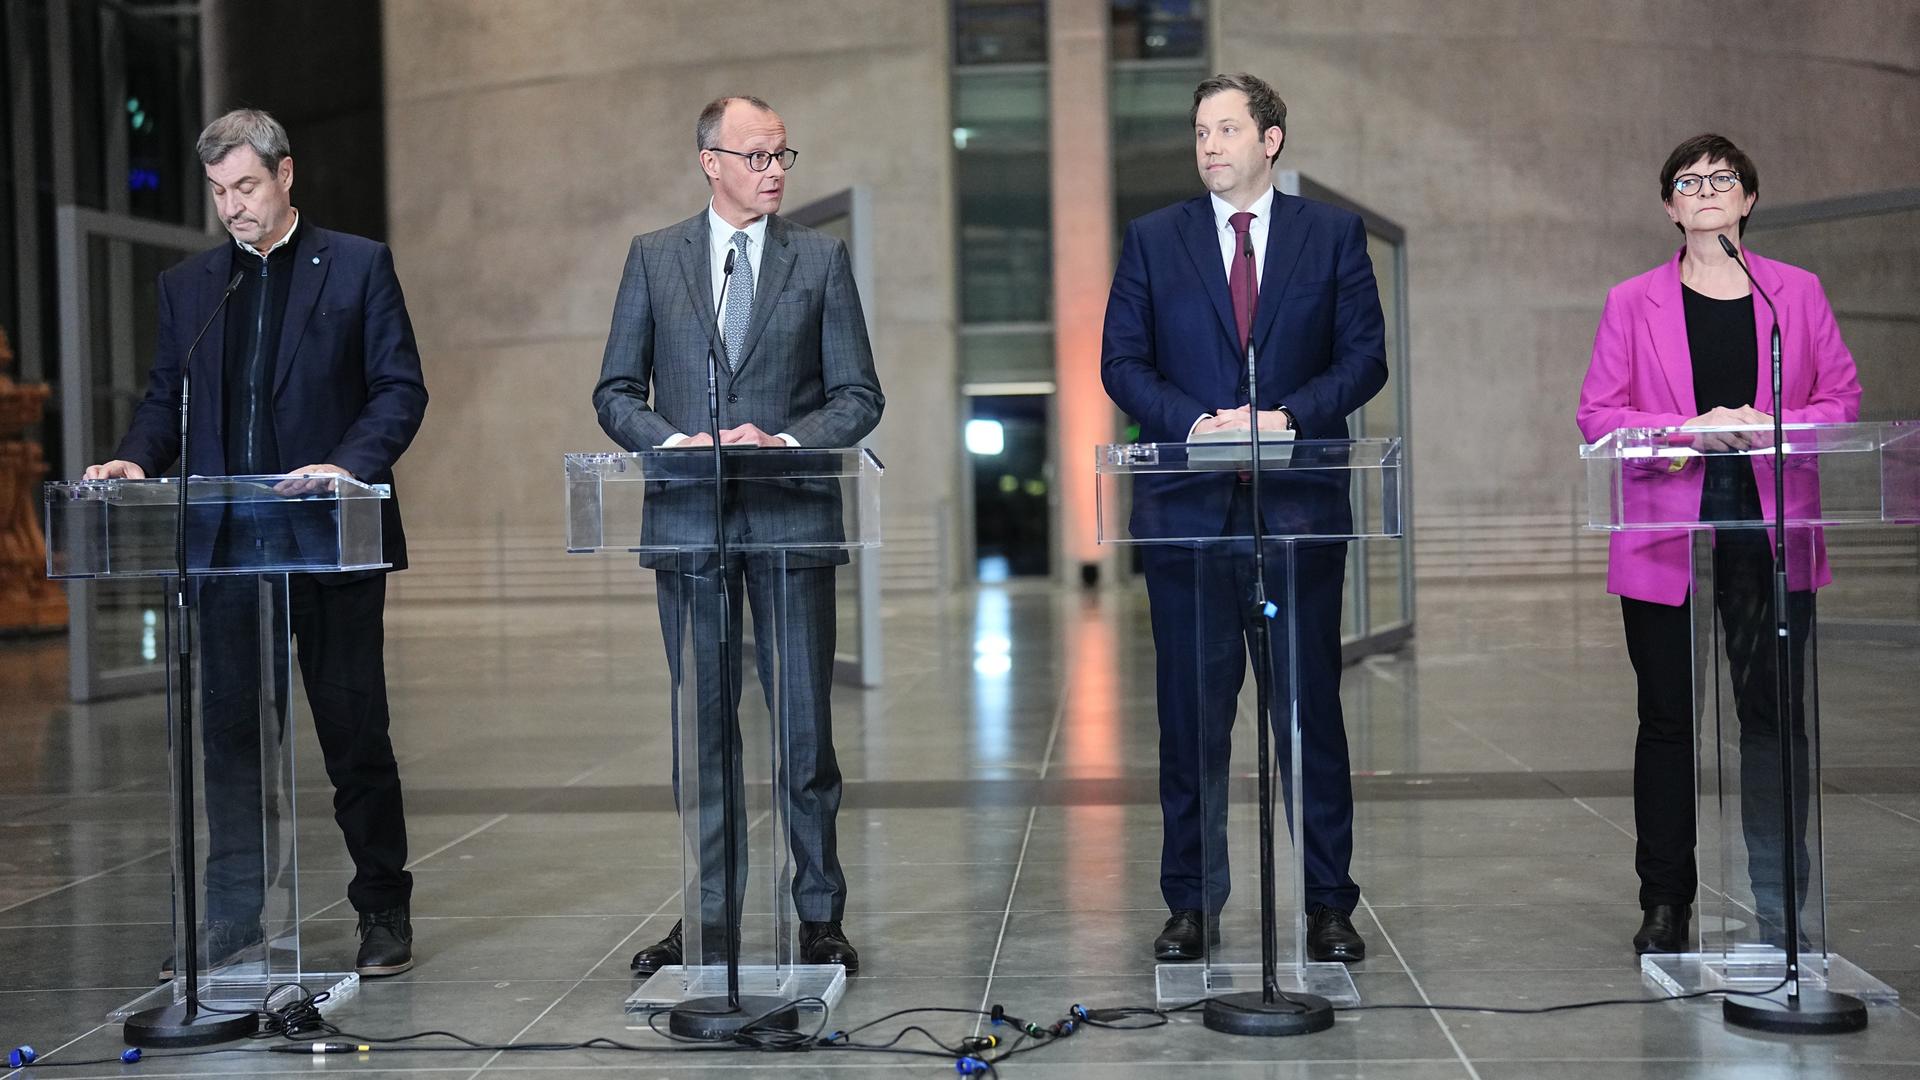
(713, 350)
(186, 396)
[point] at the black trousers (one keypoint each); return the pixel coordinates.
(339, 638)
(1660, 643)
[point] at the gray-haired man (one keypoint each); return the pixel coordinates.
(796, 370)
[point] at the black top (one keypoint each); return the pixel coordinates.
(254, 317)
(1726, 370)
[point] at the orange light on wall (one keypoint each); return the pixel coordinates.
(1082, 210)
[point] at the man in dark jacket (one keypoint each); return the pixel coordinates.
(310, 368)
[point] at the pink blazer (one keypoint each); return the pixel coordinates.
(1641, 375)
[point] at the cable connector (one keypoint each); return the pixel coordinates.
(973, 1044)
(969, 1066)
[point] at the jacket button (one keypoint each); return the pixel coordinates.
(733, 399)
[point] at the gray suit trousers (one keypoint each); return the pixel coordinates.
(793, 621)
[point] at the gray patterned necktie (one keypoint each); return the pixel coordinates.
(739, 303)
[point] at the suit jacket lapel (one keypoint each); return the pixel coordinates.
(1667, 323)
(1769, 279)
(211, 356)
(698, 271)
(1286, 239)
(310, 265)
(1196, 232)
(776, 262)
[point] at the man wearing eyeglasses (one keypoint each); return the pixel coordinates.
(793, 368)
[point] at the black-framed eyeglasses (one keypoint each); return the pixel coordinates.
(1689, 184)
(760, 160)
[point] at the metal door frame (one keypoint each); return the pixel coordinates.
(75, 227)
(865, 667)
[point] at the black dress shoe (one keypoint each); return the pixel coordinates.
(663, 953)
(1331, 937)
(386, 943)
(824, 943)
(1663, 929)
(1180, 940)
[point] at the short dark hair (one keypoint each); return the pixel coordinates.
(707, 128)
(1265, 105)
(1713, 148)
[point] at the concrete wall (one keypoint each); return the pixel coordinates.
(529, 142)
(1520, 145)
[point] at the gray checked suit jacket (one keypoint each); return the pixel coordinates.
(806, 370)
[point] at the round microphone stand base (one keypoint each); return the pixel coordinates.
(715, 1020)
(181, 1024)
(1251, 1014)
(1814, 1012)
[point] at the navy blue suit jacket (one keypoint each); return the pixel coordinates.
(1169, 352)
(347, 384)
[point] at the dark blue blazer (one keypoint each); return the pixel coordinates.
(347, 384)
(1169, 353)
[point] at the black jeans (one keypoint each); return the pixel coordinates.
(339, 641)
(1660, 643)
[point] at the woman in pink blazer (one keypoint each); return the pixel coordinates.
(1687, 344)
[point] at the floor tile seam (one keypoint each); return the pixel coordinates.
(461, 839)
(1026, 838)
(588, 974)
(1870, 801)
(1445, 1028)
(49, 1054)
(56, 890)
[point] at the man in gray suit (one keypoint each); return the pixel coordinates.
(795, 369)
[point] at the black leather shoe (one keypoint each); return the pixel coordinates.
(1180, 940)
(224, 942)
(1331, 937)
(386, 942)
(1663, 929)
(824, 943)
(666, 952)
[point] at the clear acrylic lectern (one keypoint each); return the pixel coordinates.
(1706, 495)
(244, 535)
(784, 510)
(1313, 492)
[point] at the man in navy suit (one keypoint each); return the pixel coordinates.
(310, 368)
(1196, 283)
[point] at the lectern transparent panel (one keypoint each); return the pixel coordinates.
(242, 535)
(235, 525)
(662, 501)
(1836, 474)
(1263, 609)
(1158, 493)
(1706, 497)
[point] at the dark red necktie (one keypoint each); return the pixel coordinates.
(1240, 282)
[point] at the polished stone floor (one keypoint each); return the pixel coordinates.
(1000, 836)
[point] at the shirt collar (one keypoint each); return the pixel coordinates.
(1261, 209)
(282, 242)
(723, 232)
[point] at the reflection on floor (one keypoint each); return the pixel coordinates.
(1000, 834)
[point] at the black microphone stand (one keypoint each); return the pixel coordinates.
(183, 1023)
(719, 1017)
(1271, 1011)
(1792, 1009)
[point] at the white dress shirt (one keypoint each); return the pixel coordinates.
(721, 243)
(1223, 211)
(277, 244)
(1262, 210)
